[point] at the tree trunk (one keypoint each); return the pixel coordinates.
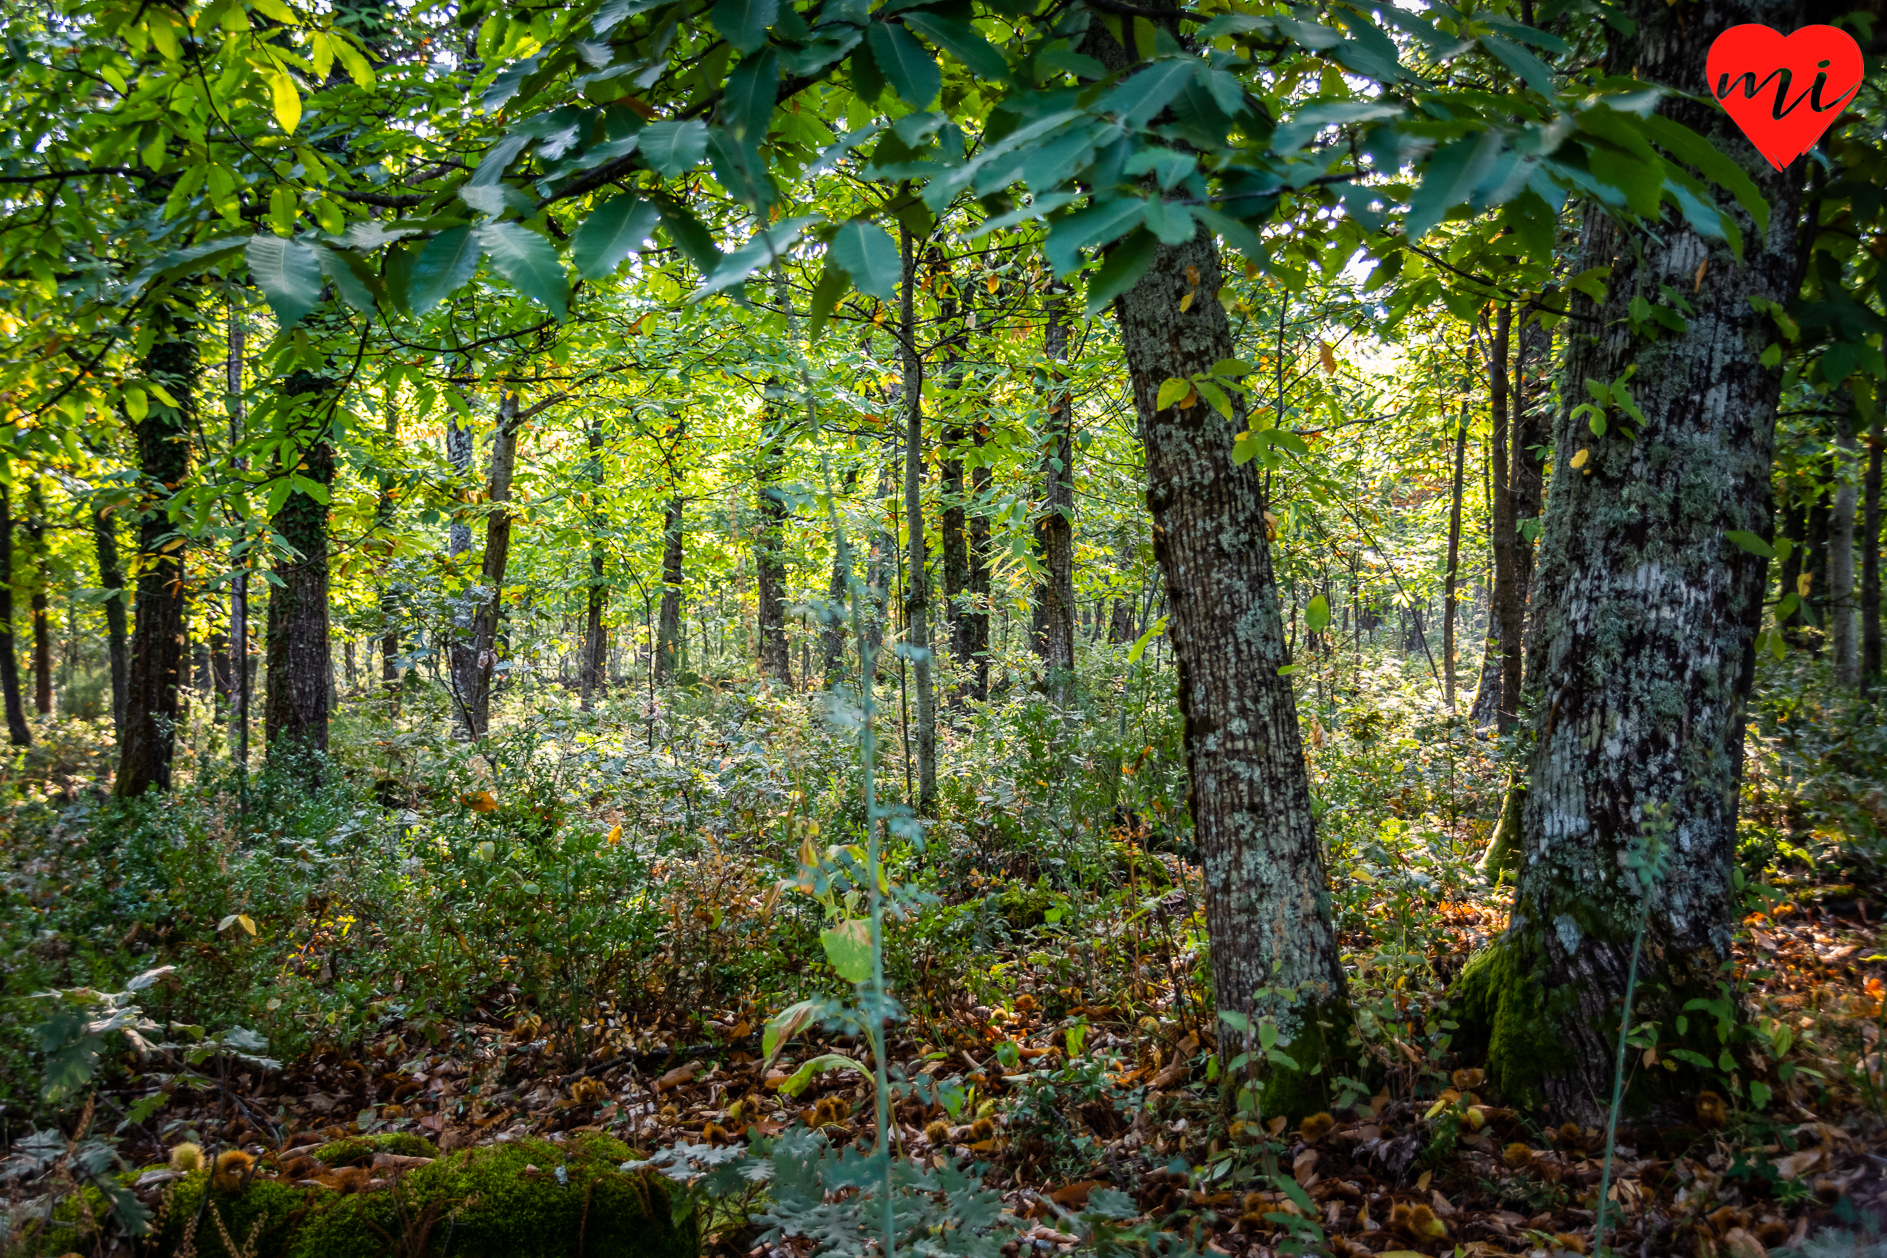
(1640, 667)
(17, 732)
(1792, 523)
(1843, 644)
(953, 508)
(1508, 610)
(1454, 561)
(1266, 899)
(1054, 627)
(669, 641)
(461, 660)
(882, 566)
(1870, 564)
(239, 584)
(111, 580)
(491, 576)
(776, 662)
(40, 560)
(593, 658)
(1532, 429)
(154, 681)
(917, 591)
(295, 708)
(973, 623)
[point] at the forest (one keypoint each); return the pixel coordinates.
(972, 628)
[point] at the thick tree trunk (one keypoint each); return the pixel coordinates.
(111, 580)
(1266, 899)
(776, 661)
(1054, 627)
(1454, 566)
(155, 671)
(669, 641)
(491, 576)
(1870, 564)
(296, 707)
(917, 590)
(1640, 668)
(1844, 646)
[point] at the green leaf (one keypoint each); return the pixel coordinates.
(848, 948)
(825, 299)
(688, 234)
(961, 41)
(1236, 1020)
(673, 146)
(818, 1065)
(910, 70)
(285, 100)
(352, 279)
(1125, 264)
(1529, 68)
(1693, 150)
(1752, 543)
(782, 1027)
(1139, 647)
(1452, 174)
(1317, 614)
(614, 230)
(529, 262)
(748, 100)
(446, 262)
(288, 273)
(1172, 389)
(1096, 225)
(744, 23)
(1215, 397)
(866, 252)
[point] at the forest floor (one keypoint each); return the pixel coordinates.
(433, 953)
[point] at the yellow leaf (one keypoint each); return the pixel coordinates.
(1185, 303)
(1803, 582)
(1579, 460)
(482, 801)
(614, 836)
(1328, 354)
(287, 100)
(246, 922)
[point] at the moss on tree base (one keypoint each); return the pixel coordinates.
(1500, 1002)
(1320, 1051)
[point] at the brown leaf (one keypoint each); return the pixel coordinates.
(679, 1075)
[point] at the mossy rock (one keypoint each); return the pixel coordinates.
(500, 1202)
(359, 1150)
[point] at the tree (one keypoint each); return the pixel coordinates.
(18, 732)
(295, 708)
(1054, 628)
(155, 668)
(1641, 659)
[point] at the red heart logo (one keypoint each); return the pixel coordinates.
(1784, 91)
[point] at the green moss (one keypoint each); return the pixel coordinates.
(1500, 1003)
(1503, 850)
(268, 1211)
(1319, 1050)
(359, 1150)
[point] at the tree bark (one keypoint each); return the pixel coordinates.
(111, 580)
(955, 541)
(776, 661)
(239, 584)
(917, 590)
(1266, 899)
(1870, 564)
(1844, 646)
(593, 657)
(155, 670)
(1507, 610)
(668, 635)
(1792, 523)
(461, 660)
(42, 626)
(17, 731)
(1454, 560)
(1640, 669)
(491, 576)
(295, 708)
(1054, 627)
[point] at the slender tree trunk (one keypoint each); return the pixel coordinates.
(832, 636)
(953, 507)
(239, 584)
(389, 638)
(1641, 663)
(1054, 627)
(776, 661)
(111, 580)
(1508, 609)
(883, 562)
(1454, 561)
(974, 620)
(42, 626)
(917, 590)
(1870, 563)
(1792, 523)
(1843, 643)
(154, 683)
(593, 659)
(491, 576)
(17, 732)
(296, 707)
(461, 659)
(1815, 565)
(669, 640)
